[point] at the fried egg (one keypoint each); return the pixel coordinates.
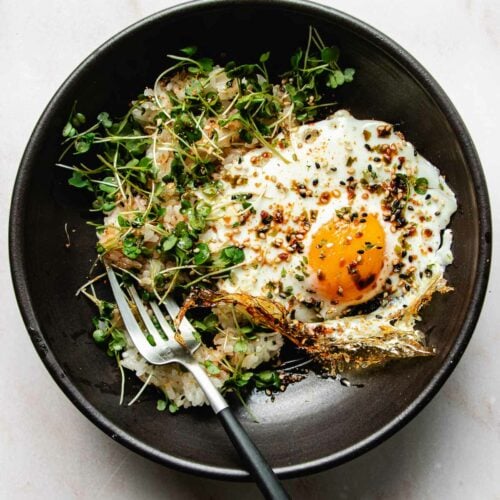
(343, 215)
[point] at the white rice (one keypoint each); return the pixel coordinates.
(179, 385)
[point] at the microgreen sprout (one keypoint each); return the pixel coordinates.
(155, 175)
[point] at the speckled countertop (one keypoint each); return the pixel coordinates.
(49, 450)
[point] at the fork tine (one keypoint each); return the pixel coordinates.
(153, 331)
(185, 327)
(133, 328)
(163, 322)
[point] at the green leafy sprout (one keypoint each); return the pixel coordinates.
(117, 161)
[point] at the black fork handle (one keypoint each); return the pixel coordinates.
(259, 469)
(264, 476)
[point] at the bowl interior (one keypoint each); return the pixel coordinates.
(319, 421)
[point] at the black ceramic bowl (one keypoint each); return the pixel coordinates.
(316, 423)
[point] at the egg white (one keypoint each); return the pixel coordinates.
(321, 157)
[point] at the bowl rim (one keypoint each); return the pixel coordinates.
(19, 274)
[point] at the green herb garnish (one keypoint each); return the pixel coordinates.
(421, 185)
(167, 153)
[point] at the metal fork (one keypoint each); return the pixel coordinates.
(170, 351)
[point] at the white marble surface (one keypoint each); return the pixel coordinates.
(49, 450)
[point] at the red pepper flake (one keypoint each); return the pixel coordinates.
(278, 216)
(320, 329)
(384, 130)
(266, 217)
(388, 151)
(324, 198)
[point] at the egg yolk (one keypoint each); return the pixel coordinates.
(347, 258)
